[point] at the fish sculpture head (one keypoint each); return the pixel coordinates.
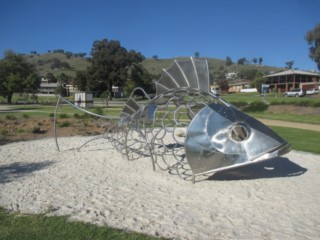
(221, 137)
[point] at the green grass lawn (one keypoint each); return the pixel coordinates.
(312, 119)
(301, 140)
(24, 227)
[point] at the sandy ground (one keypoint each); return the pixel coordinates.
(275, 199)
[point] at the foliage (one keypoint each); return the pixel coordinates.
(224, 85)
(256, 107)
(313, 39)
(289, 64)
(16, 75)
(81, 80)
(228, 61)
(65, 124)
(37, 130)
(25, 116)
(111, 65)
(257, 83)
(242, 61)
(60, 90)
(249, 74)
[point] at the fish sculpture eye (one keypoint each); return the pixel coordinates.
(239, 132)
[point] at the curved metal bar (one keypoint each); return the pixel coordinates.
(139, 88)
(55, 123)
(86, 111)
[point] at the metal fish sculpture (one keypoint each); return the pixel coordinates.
(186, 129)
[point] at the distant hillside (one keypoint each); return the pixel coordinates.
(45, 62)
(155, 66)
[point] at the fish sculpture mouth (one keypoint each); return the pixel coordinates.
(215, 135)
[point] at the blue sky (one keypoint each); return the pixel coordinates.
(271, 29)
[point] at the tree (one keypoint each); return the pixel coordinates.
(60, 90)
(110, 64)
(249, 74)
(228, 61)
(260, 60)
(257, 83)
(196, 54)
(313, 39)
(289, 64)
(81, 80)
(254, 60)
(155, 57)
(16, 75)
(242, 61)
(51, 78)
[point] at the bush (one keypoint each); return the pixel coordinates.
(3, 134)
(239, 104)
(63, 115)
(79, 116)
(315, 104)
(65, 124)
(37, 130)
(76, 115)
(256, 107)
(25, 116)
(11, 117)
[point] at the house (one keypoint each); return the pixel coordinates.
(231, 76)
(47, 87)
(241, 86)
(290, 79)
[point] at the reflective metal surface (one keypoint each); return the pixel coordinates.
(185, 129)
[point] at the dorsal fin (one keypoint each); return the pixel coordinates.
(132, 106)
(188, 73)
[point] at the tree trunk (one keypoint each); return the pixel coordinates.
(9, 97)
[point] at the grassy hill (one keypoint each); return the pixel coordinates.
(44, 62)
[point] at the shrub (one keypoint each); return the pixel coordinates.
(63, 115)
(37, 130)
(76, 115)
(65, 124)
(79, 116)
(239, 104)
(25, 116)
(315, 104)
(256, 107)
(3, 134)
(11, 117)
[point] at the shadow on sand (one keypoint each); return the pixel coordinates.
(273, 168)
(14, 171)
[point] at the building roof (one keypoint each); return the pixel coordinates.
(48, 84)
(293, 72)
(240, 82)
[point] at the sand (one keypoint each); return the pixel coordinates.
(275, 199)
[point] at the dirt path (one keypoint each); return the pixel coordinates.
(279, 123)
